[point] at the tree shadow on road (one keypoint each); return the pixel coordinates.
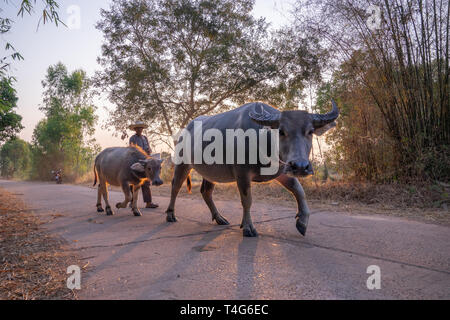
(124, 249)
(182, 263)
(246, 268)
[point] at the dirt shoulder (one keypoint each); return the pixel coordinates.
(33, 263)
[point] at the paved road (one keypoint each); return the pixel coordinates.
(147, 258)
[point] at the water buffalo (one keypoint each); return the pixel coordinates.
(125, 167)
(295, 131)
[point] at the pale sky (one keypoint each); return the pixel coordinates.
(76, 48)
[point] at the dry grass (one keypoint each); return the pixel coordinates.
(32, 262)
(87, 178)
(423, 202)
(419, 202)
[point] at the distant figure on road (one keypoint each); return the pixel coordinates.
(140, 140)
(57, 176)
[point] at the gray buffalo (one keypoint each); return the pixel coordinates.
(295, 131)
(125, 167)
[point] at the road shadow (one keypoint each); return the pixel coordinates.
(246, 268)
(126, 248)
(96, 222)
(182, 263)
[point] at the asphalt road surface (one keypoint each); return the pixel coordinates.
(147, 258)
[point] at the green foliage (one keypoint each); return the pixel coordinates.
(170, 61)
(15, 159)
(61, 140)
(10, 121)
(49, 9)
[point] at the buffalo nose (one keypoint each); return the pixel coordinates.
(157, 182)
(301, 167)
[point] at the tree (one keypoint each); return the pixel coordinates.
(170, 61)
(403, 69)
(49, 13)
(10, 121)
(15, 158)
(362, 149)
(62, 138)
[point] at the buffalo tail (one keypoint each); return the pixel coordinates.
(95, 175)
(189, 183)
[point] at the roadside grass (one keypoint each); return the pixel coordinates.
(420, 201)
(87, 178)
(33, 263)
(423, 202)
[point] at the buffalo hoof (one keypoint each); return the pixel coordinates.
(137, 213)
(109, 212)
(250, 232)
(301, 227)
(100, 209)
(171, 216)
(221, 221)
(118, 205)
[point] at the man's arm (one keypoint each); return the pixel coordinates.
(149, 151)
(132, 141)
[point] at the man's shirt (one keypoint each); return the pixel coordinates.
(142, 142)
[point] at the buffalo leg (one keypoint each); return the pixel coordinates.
(109, 212)
(180, 175)
(134, 207)
(131, 192)
(244, 186)
(128, 196)
(99, 199)
(296, 189)
(207, 191)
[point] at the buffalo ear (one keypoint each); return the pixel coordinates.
(320, 131)
(138, 167)
(156, 161)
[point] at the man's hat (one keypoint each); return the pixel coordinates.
(138, 124)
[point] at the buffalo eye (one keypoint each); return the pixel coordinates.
(282, 133)
(310, 132)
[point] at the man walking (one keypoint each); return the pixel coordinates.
(140, 140)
